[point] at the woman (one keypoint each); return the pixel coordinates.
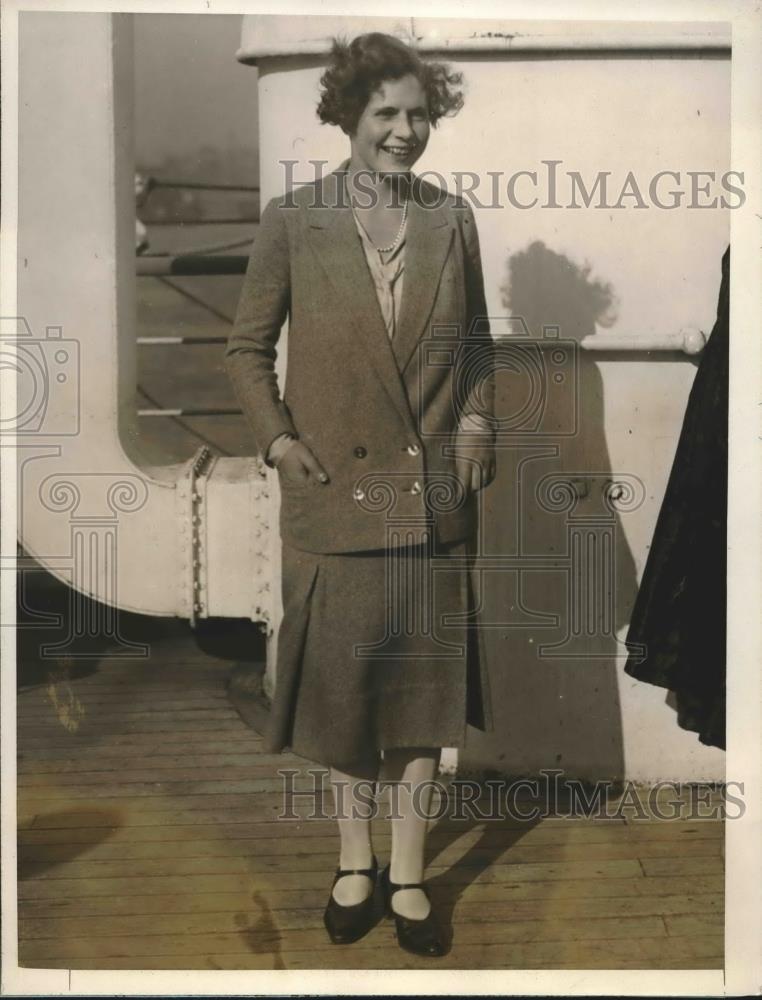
(382, 440)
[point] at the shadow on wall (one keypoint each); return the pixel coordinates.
(567, 581)
(547, 288)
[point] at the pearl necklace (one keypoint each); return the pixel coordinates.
(397, 238)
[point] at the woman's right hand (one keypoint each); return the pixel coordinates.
(298, 466)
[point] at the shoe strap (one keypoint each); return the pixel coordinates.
(396, 886)
(368, 872)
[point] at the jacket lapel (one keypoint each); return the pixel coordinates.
(429, 234)
(333, 235)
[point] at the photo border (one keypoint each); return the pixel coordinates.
(743, 933)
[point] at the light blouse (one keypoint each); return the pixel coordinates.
(388, 274)
(388, 277)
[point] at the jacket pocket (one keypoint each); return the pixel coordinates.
(290, 485)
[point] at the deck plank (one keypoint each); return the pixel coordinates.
(703, 952)
(320, 829)
(286, 852)
(530, 899)
(150, 838)
(269, 936)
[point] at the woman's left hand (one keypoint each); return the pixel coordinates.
(475, 463)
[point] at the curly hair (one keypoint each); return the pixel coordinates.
(358, 68)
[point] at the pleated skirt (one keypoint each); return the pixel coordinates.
(377, 650)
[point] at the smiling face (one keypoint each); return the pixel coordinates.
(393, 130)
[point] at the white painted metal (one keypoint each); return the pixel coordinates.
(181, 539)
(690, 341)
(270, 36)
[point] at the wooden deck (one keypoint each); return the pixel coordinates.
(149, 840)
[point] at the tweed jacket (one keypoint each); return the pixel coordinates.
(379, 415)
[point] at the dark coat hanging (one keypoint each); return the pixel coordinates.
(680, 610)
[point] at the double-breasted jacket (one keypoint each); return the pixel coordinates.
(380, 415)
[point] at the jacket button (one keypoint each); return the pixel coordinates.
(415, 489)
(359, 494)
(413, 449)
(360, 452)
